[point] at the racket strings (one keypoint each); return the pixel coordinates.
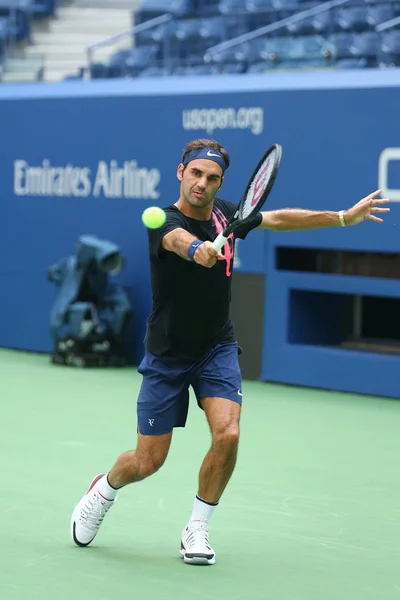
(259, 184)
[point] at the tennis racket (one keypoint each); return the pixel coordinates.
(255, 195)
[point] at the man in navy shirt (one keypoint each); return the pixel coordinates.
(190, 342)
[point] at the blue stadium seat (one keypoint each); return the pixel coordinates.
(303, 27)
(42, 8)
(285, 5)
(193, 37)
(207, 8)
(187, 29)
(353, 18)
(232, 7)
(149, 9)
(316, 63)
(352, 63)
(4, 30)
(98, 71)
(342, 43)
(259, 67)
(141, 58)
(379, 13)
(309, 47)
(22, 27)
(390, 48)
(153, 72)
(375, 2)
(214, 29)
(235, 55)
(258, 6)
(260, 13)
(323, 23)
(232, 68)
(366, 45)
(287, 65)
(196, 70)
(156, 35)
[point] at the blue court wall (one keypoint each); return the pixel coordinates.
(80, 157)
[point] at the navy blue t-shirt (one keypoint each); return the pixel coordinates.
(190, 312)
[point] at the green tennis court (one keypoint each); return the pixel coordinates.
(312, 511)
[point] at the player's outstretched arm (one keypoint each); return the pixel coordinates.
(294, 219)
(179, 240)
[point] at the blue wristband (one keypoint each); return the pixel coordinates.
(193, 247)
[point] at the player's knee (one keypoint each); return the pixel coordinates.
(151, 463)
(226, 438)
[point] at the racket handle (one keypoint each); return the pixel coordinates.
(219, 242)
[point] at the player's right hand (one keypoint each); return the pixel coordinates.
(206, 256)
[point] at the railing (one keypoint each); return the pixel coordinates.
(132, 31)
(388, 24)
(246, 37)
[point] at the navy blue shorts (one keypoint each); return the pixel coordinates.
(163, 401)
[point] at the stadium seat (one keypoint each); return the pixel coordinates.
(259, 67)
(22, 27)
(187, 29)
(258, 6)
(285, 5)
(153, 72)
(232, 7)
(156, 34)
(196, 70)
(323, 23)
(308, 48)
(341, 43)
(353, 18)
(390, 48)
(208, 8)
(98, 71)
(150, 9)
(232, 68)
(367, 46)
(303, 27)
(352, 63)
(379, 13)
(214, 29)
(42, 8)
(192, 38)
(235, 55)
(140, 58)
(259, 13)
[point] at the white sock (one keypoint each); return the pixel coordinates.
(202, 510)
(105, 489)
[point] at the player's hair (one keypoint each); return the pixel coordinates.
(203, 143)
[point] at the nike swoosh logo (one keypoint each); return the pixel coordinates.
(240, 393)
(211, 154)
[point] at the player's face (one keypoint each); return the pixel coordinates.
(200, 181)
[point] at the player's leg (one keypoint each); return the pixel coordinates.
(161, 406)
(218, 389)
(135, 465)
(88, 515)
(223, 417)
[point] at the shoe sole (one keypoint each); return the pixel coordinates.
(200, 560)
(73, 519)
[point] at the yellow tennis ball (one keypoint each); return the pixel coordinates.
(154, 217)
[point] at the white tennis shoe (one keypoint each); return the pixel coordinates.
(89, 513)
(195, 545)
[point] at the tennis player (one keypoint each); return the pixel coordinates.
(190, 342)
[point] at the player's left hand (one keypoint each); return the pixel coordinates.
(364, 209)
